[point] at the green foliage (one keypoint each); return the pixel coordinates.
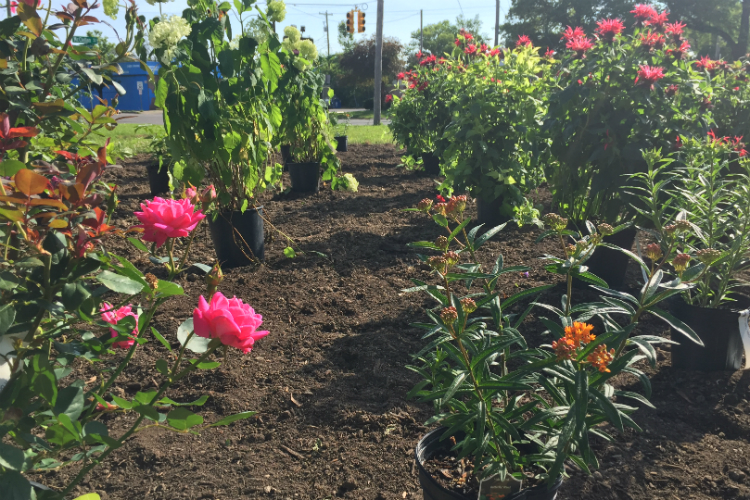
(700, 209)
(601, 118)
(438, 38)
(544, 20)
(517, 409)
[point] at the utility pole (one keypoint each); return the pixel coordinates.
(497, 20)
(421, 34)
(378, 66)
(328, 37)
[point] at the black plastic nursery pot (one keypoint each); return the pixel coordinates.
(431, 164)
(238, 238)
(608, 264)
(158, 180)
(719, 329)
(432, 490)
(342, 143)
(305, 177)
(286, 152)
(488, 213)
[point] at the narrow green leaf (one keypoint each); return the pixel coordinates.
(233, 418)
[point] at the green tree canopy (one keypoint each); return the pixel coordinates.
(544, 20)
(439, 37)
(727, 19)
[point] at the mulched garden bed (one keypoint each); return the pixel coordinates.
(329, 382)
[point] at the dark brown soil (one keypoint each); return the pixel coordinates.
(329, 382)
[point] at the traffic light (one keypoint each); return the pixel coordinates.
(350, 22)
(361, 25)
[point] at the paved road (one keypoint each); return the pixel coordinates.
(155, 118)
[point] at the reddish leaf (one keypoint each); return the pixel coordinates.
(30, 183)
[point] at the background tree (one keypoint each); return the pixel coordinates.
(105, 48)
(544, 20)
(346, 39)
(727, 19)
(353, 75)
(438, 38)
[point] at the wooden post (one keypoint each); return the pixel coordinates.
(376, 98)
(421, 32)
(497, 20)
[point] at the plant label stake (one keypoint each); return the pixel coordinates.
(494, 489)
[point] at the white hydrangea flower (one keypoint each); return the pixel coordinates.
(276, 11)
(352, 184)
(299, 64)
(111, 8)
(308, 50)
(234, 44)
(287, 45)
(292, 34)
(166, 33)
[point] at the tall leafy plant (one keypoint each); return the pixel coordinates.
(217, 96)
(39, 64)
(616, 96)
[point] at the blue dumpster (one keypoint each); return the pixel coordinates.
(135, 98)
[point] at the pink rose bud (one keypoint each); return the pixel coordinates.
(208, 196)
(191, 194)
(113, 316)
(230, 320)
(162, 219)
(214, 278)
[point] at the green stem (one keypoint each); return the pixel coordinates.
(85, 470)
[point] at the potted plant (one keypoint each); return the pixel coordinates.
(418, 116)
(703, 230)
(305, 122)
(342, 141)
(616, 95)
(512, 414)
(221, 116)
(494, 150)
(158, 173)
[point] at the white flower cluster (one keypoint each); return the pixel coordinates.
(276, 11)
(307, 51)
(166, 33)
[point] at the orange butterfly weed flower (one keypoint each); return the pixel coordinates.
(579, 333)
(600, 358)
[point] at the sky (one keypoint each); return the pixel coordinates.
(399, 18)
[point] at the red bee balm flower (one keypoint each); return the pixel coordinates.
(470, 49)
(162, 219)
(571, 33)
(388, 98)
(230, 320)
(427, 60)
(706, 63)
(652, 40)
(524, 40)
(643, 12)
(401, 76)
(675, 29)
(679, 52)
(580, 45)
(657, 20)
(648, 75)
(608, 29)
(496, 52)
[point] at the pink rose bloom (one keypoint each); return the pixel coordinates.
(229, 320)
(113, 316)
(162, 219)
